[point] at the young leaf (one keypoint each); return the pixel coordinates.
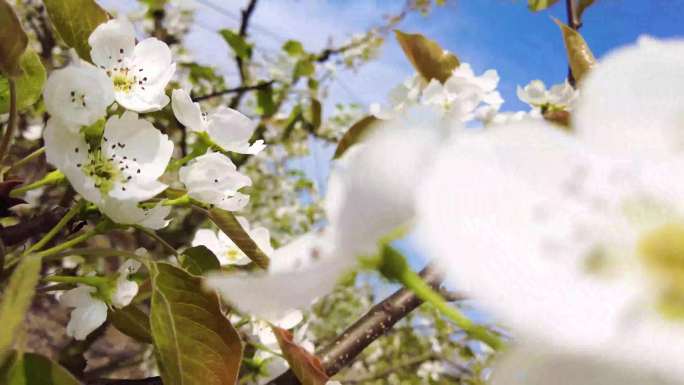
(195, 343)
(316, 112)
(199, 260)
(242, 49)
(539, 5)
(226, 221)
(306, 367)
(132, 322)
(35, 369)
(293, 48)
(427, 57)
(582, 6)
(580, 58)
(29, 83)
(265, 103)
(354, 134)
(75, 20)
(13, 40)
(16, 300)
(304, 68)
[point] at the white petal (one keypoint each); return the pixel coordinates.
(536, 364)
(371, 188)
(64, 147)
(78, 297)
(186, 111)
(84, 320)
(631, 103)
(108, 41)
(214, 179)
(127, 212)
(78, 95)
(152, 59)
(229, 128)
(289, 320)
(208, 239)
(124, 293)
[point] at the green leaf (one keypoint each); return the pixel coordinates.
(16, 300)
(304, 68)
(226, 221)
(265, 103)
(195, 343)
(242, 49)
(306, 367)
(427, 57)
(355, 134)
(132, 322)
(293, 48)
(199, 260)
(13, 40)
(539, 5)
(316, 112)
(75, 20)
(580, 58)
(582, 6)
(29, 83)
(34, 369)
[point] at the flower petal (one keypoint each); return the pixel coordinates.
(112, 42)
(186, 111)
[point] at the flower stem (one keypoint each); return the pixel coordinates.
(51, 178)
(394, 266)
(51, 234)
(71, 242)
(12, 123)
(27, 159)
(159, 239)
(182, 200)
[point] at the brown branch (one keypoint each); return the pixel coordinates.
(13, 235)
(376, 322)
(574, 23)
(242, 69)
(234, 90)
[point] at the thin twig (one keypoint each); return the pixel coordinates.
(574, 23)
(12, 123)
(242, 69)
(234, 90)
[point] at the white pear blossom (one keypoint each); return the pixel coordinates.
(226, 127)
(300, 272)
(128, 212)
(213, 178)
(227, 252)
(131, 155)
(400, 97)
(559, 97)
(88, 314)
(91, 311)
(139, 72)
(78, 94)
(576, 243)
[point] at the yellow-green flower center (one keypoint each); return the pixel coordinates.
(123, 82)
(662, 253)
(103, 172)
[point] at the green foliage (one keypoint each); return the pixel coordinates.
(226, 221)
(16, 300)
(132, 322)
(29, 84)
(580, 57)
(265, 104)
(35, 369)
(75, 20)
(240, 47)
(13, 40)
(427, 57)
(304, 68)
(199, 260)
(306, 367)
(540, 5)
(194, 342)
(293, 48)
(355, 134)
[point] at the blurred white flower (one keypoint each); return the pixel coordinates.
(78, 95)
(400, 97)
(131, 156)
(213, 178)
(227, 252)
(226, 127)
(559, 97)
(139, 72)
(578, 244)
(91, 311)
